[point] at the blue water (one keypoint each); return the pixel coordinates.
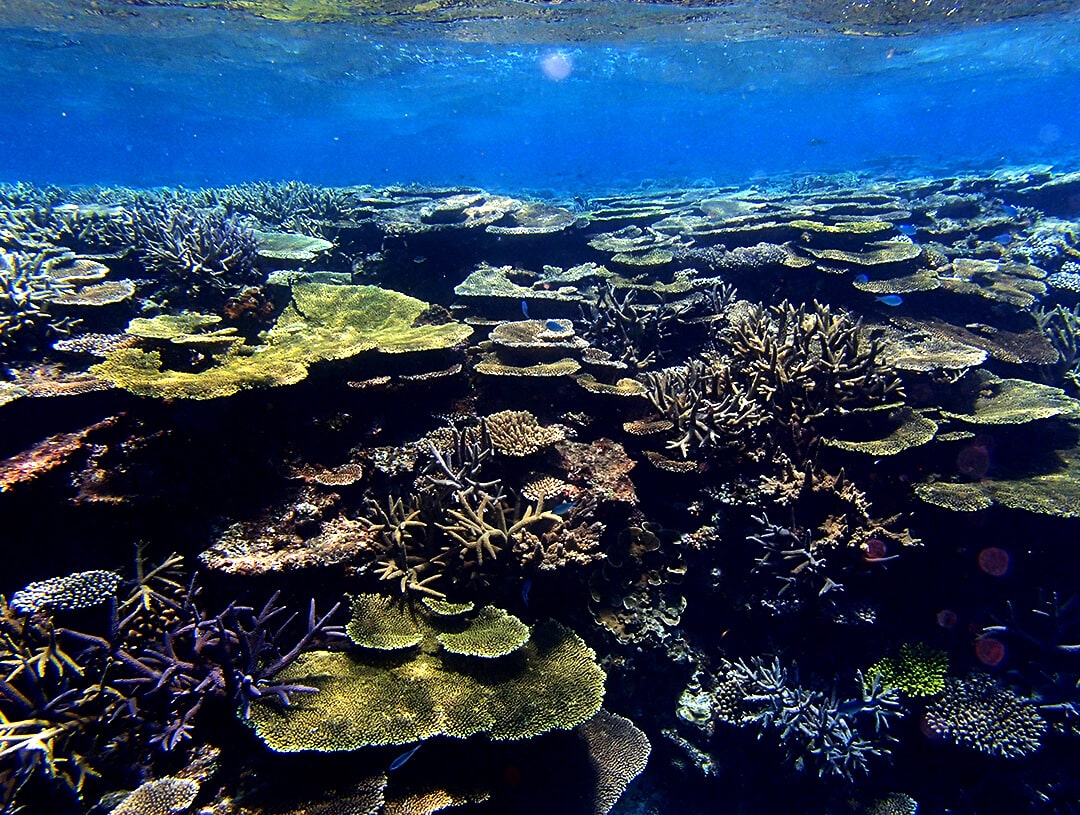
(204, 99)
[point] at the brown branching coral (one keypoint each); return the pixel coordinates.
(519, 433)
(482, 526)
(841, 510)
(807, 363)
(407, 555)
(574, 542)
(708, 408)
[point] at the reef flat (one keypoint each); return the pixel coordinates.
(327, 500)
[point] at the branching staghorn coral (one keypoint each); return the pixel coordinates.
(69, 698)
(483, 526)
(294, 206)
(459, 453)
(408, 554)
(37, 228)
(792, 557)
(633, 332)
(198, 254)
(807, 363)
(819, 730)
(27, 288)
(708, 408)
(1062, 327)
(52, 711)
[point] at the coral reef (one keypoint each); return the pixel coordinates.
(506, 463)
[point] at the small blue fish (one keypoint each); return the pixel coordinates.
(554, 325)
(399, 762)
(891, 300)
(1004, 239)
(525, 309)
(562, 509)
(907, 229)
(526, 587)
(862, 278)
(1010, 210)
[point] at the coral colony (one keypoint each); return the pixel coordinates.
(773, 490)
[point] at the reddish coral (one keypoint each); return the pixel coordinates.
(46, 455)
(602, 467)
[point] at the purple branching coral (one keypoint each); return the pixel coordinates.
(819, 730)
(232, 655)
(68, 697)
(198, 254)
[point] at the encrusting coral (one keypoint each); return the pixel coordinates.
(69, 593)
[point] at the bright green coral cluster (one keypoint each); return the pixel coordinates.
(918, 670)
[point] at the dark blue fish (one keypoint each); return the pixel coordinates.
(1004, 238)
(862, 278)
(399, 762)
(554, 325)
(562, 509)
(907, 229)
(892, 300)
(526, 587)
(525, 309)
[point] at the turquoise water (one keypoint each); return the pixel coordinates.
(198, 97)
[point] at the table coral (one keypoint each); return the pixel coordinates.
(556, 684)
(322, 322)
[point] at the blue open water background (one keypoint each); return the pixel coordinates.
(202, 99)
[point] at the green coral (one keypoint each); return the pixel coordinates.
(1055, 491)
(552, 682)
(914, 430)
(917, 670)
(492, 633)
(322, 322)
(382, 623)
(143, 373)
(877, 254)
(1017, 401)
(338, 322)
(290, 246)
(445, 608)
